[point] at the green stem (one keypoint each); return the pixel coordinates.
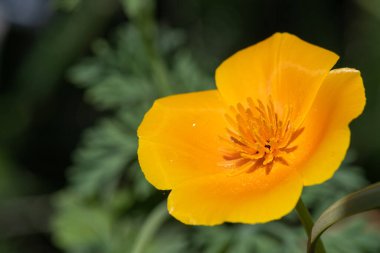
(160, 72)
(141, 13)
(308, 223)
(159, 69)
(151, 225)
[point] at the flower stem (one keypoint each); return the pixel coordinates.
(151, 225)
(307, 222)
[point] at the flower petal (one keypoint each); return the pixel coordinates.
(283, 66)
(179, 136)
(326, 138)
(254, 197)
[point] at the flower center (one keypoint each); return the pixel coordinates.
(258, 136)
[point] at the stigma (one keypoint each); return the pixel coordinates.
(257, 136)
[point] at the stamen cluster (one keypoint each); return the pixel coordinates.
(258, 136)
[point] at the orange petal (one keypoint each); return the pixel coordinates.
(326, 138)
(282, 66)
(179, 138)
(254, 197)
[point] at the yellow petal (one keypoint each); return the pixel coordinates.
(179, 137)
(254, 197)
(283, 66)
(326, 138)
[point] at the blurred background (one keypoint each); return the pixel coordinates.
(76, 77)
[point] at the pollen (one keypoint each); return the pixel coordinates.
(258, 137)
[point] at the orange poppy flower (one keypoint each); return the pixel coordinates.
(278, 121)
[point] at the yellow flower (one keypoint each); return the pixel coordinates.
(242, 153)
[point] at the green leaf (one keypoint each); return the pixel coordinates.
(116, 91)
(99, 163)
(173, 240)
(345, 238)
(372, 7)
(357, 202)
(81, 228)
(346, 180)
(188, 75)
(151, 225)
(87, 73)
(170, 40)
(135, 8)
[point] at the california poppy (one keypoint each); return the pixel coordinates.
(278, 121)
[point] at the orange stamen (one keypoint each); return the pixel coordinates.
(258, 136)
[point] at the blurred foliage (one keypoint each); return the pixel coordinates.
(56, 47)
(107, 205)
(363, 53)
